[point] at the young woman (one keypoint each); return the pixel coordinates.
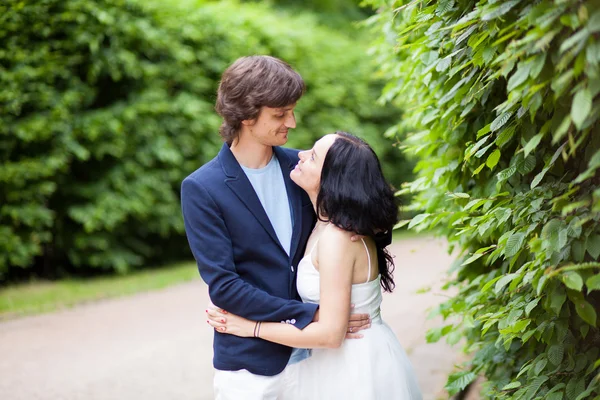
(343, 179)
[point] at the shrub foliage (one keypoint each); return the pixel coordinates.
(106, 105)
(502, 97)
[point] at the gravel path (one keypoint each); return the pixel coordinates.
(157, 345)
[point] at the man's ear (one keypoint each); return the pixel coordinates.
(248, 122)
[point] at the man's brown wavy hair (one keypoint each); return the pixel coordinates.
(251, 83)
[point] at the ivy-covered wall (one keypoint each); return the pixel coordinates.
(502, 98)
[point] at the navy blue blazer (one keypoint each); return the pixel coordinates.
(240, 258)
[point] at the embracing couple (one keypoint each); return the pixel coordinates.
(288, 242)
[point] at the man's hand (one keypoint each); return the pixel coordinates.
(356, 237)
(357, 322)
(382, 239)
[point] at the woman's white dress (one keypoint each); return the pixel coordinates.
(374, 367)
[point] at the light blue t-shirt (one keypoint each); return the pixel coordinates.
(269, 186)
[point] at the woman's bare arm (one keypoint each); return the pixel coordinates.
(335, 254)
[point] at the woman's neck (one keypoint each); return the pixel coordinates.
(313, 200)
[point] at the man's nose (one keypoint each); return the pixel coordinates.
(290, 121)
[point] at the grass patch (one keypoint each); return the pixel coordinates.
(40, 296)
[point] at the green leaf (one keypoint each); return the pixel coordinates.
(557, 300)
(418, 219)
(472, 150)
(581, 107)
(444, 6)
(593, 24)
(514, 244)
(535, 386)
(555, 396)
(493, 159)
(506, 173)
(500, 121)
(576, 38)
(489, 284)
(533, 143)
(586, 311)
(540, 365)
(532, 304)
(586, 393)
(512, 385)
(433, 335)
(573, 281)
(505, 136)
(593, 246)
(574, 229)
(578, 250)
(592, 167)
(475, 204)
(484, 130)
(500, 10)
(458, 381)
(472, 258)
(575, 387)
(481, 152)
(584, 329)
(527, 165)
(541, 284)
(550, 235)
(459, 195)
(556, 389)
(593, 282)
(538, 178)
(556, 353)
(502, 282)
(537, 65)
(519, 326)
(478, 170)
(519, 76)
(562, 129)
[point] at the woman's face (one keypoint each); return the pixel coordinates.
(307, 173)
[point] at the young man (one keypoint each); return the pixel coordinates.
(247, 224)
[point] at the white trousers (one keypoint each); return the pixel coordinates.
(243, 385)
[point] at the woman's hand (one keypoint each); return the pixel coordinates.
(230, 323)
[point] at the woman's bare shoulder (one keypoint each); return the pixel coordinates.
(337, 237)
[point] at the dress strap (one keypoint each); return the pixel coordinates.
(368, 260)
(313, 247)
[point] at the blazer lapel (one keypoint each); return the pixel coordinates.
(238, 182)
(294, 198)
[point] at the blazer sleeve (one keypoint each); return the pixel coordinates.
(213, 250)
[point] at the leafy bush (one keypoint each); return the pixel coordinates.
(340, 14)
(505, 111)
(107, 105)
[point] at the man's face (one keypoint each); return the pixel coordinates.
(272, 125)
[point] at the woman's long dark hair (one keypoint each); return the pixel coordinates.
(354, 196)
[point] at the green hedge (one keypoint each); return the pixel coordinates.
(502, 97)
(106, 105)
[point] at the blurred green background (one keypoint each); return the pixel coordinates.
(107, 105)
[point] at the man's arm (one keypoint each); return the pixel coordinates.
(212, 248)
(335, 293)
